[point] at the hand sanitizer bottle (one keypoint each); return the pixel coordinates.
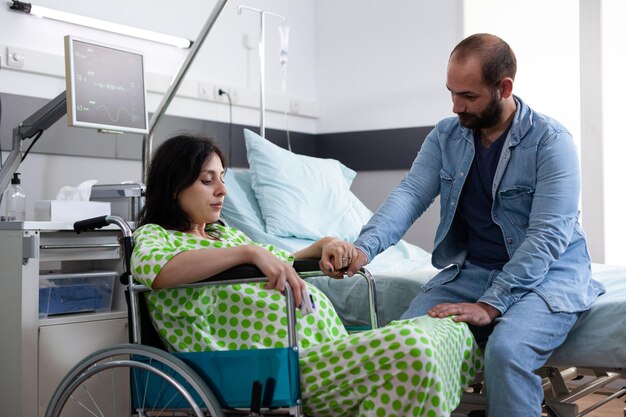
(15, 200)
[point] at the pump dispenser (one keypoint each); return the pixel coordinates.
(15, 200)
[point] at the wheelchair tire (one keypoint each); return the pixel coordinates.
(160, 381)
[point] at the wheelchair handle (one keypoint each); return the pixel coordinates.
(100, 222)
(90, 224)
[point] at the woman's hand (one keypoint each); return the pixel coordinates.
(340, 257)
(277, 272)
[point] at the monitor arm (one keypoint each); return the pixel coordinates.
(41, 120)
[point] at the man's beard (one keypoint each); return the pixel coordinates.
(488, 118)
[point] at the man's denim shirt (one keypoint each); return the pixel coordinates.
(535, 202)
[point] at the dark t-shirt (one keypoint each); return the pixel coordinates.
(485, 243)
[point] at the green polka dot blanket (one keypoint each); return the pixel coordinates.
(415, 367)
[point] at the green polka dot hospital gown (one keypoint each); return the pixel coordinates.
(415, 367)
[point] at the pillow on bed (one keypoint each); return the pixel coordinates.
(303, 196)
(240, 205)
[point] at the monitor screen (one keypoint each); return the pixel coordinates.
(105, 87)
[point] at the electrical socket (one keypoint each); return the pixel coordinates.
(15, 57)
(294, 106)
(217, 95)
(233, 93)
(205, 91)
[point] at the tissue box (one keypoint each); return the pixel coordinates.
(69, 211)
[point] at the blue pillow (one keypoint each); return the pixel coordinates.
(303, 196)
(240, 206)
(242, 211)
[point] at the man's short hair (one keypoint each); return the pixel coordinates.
(496, 56)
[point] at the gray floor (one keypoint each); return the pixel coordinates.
(614, 408)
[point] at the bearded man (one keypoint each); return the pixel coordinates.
(513, 256)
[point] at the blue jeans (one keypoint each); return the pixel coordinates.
(521, 341)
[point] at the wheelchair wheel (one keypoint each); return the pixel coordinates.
(132, 380)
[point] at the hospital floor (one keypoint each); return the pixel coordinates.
(614, 408)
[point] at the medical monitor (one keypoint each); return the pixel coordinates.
(105, 87)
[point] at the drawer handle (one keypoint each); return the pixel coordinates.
(83, 246)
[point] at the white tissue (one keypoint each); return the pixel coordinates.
(82, 192)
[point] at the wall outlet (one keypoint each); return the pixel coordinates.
(15, 58)
(294, 106)
(205, 91)
(217, 95)
(232, 93)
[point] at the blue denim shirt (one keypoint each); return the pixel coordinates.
(535, 202)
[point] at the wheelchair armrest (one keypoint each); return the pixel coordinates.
(250, 271)
(306, 265)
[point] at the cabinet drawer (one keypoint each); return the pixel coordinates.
(63, 346)
(69, 246)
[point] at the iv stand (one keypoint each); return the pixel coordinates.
(262, 13)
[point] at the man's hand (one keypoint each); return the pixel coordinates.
(478, 314)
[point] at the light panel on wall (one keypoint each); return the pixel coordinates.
(59, 15)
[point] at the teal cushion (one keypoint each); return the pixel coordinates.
(303, 196)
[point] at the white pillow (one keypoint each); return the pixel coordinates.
(303, 196)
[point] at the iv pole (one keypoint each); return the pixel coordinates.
(262, 13)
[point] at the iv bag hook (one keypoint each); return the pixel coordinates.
(262, 14)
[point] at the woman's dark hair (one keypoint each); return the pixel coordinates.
(175, 165)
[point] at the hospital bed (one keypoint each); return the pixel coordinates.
(593, 356)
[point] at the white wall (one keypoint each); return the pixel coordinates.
(602, 38)
(381, 64)
(613, 90)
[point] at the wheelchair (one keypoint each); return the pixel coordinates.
(142, 378)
